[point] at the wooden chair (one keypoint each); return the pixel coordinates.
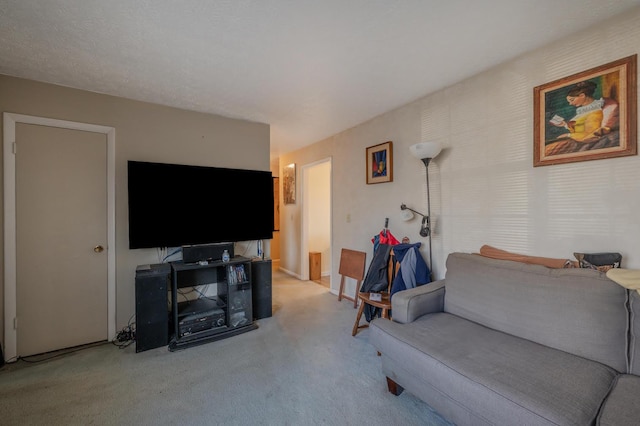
(384, 304)
(352, 264)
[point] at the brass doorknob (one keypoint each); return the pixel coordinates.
(98, 249)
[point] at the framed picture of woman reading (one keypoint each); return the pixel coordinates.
(587, 116)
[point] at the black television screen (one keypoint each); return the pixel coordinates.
(172, 205)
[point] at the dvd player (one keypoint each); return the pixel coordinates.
(199, 315)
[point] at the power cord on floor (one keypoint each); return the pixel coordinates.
(35, 359)
(127, 335)
(123, 339)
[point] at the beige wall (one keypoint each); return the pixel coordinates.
(145, 132)
(317, 189)
(484, 188)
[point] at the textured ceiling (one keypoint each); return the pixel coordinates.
(309, 68)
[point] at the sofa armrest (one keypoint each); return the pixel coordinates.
(408, 305)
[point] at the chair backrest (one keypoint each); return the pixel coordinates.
(352, 263)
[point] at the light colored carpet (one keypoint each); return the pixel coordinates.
(300, 367)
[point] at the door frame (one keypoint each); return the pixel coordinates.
(9, 122)
(304, 234)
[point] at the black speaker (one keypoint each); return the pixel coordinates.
(261, 288)
(192, 254)
(152, 313)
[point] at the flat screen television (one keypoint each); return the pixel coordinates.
(172, 205)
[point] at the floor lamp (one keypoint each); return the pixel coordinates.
(425, 151)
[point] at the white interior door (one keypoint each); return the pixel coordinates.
(61, 238)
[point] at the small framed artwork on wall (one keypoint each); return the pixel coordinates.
(380, 163)
(586, 116)
(289, 184)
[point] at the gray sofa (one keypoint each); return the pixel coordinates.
(504, 342)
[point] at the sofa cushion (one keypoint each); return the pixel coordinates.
(630, 279)
(501, 378)
(577, 310)
(621, 407)
(634, 333)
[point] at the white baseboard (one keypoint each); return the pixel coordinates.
(293, 274)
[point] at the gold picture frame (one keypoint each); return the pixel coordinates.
(380, 163)
(289, 184)
(590, 115)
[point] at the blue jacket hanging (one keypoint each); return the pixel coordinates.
(413, 269)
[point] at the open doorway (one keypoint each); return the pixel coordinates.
(316, 222)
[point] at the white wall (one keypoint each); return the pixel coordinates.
(484, 188)
(318, 196)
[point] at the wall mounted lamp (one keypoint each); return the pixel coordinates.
(425, 151)
(407, 214)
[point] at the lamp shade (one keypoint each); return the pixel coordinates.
(406, 215)
(423, 150)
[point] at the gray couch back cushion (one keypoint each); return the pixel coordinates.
(634, 332)
(579, 311)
